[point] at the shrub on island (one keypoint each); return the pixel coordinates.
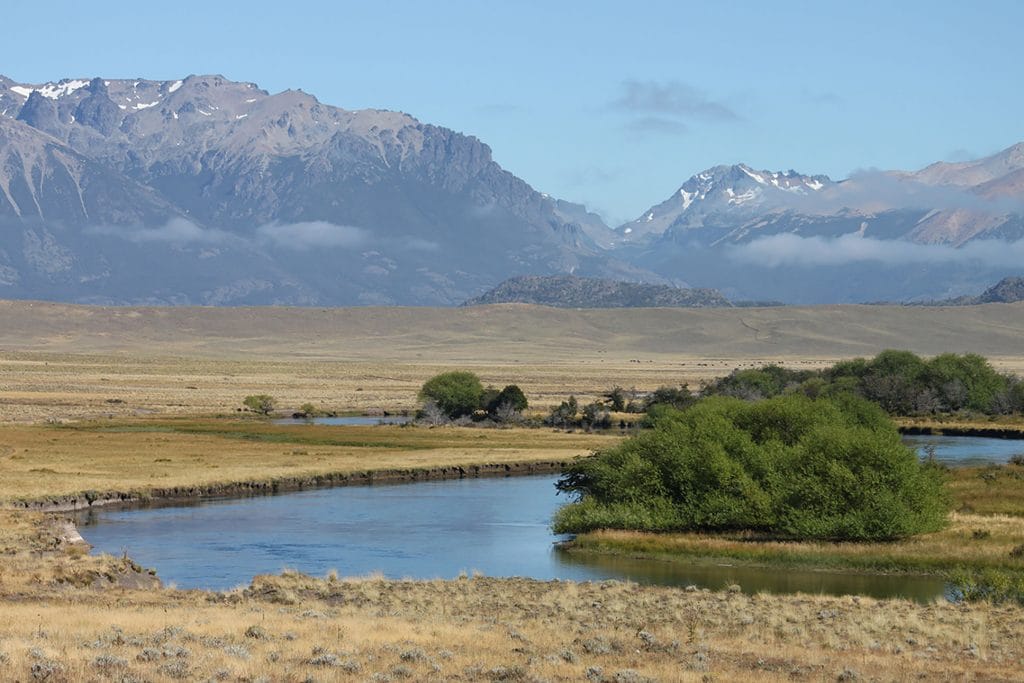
(789, 467)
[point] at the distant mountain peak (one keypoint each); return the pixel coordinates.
(724, 188)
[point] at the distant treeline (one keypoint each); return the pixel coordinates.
(901, 382)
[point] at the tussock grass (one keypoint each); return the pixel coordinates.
(293, 627)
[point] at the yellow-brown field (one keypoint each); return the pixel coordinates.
(139, 400)
(43, 462)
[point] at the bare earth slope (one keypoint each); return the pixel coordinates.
(511, 332)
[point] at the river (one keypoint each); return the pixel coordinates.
(438, 529)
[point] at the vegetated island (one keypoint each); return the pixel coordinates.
(781, 467)
(570, 291)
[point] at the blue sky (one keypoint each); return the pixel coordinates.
(613, 104)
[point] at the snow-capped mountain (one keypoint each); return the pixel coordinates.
(731, 191)
(206, 190)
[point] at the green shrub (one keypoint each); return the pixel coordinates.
(791, 466)
(260, 403)
(456, 393)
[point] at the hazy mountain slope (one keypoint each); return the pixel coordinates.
(312, 203)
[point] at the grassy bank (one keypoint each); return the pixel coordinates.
(970, 541)
(140, 457)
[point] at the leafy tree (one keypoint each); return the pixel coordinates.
(674, 397)
(260, 403)
(564, 414)
(596, 415)
(966, 381)
(758, 383)
(511, 396)
(456, 393)
(616, 399)
(790, 466)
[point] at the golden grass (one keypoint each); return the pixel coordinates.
(293, 628)
(45, 462)
(35, 387)
(991, 490)
(97, 361)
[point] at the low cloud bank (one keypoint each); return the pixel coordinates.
(175, 231)
(312, 235)
(793, 250)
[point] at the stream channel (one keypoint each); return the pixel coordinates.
(439, 529)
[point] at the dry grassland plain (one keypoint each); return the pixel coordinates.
(65, 362)
(116, 399)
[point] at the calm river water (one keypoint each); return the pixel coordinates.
(499, 527)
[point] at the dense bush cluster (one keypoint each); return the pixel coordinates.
(900, 382)
(790, 466)
(460, 394)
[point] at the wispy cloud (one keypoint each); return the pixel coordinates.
(312, 235)
(670, 99)
(787, 250)
(176, 231)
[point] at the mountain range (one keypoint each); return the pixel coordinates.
(205, 190)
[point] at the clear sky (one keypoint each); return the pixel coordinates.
(614, 104)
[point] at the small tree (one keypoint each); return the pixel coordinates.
(511, 397)
(309, 411)
(616, 399)
(260, 403)
(564, 414)
(456, 393)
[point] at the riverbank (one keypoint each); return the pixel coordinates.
(149, 461)
(71, 616)
(1004, 427)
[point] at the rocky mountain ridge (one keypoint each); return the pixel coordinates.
(205, 190)
(569, 291)
(259, 198)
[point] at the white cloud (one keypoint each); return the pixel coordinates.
(312, 235)
(793, 250)
(176, 230)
